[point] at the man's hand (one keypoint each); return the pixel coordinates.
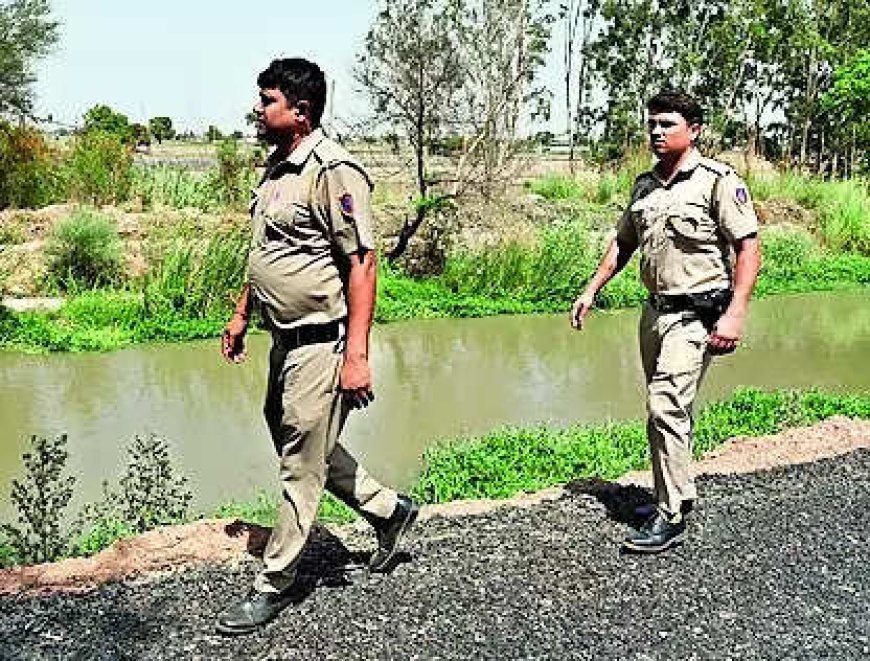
(355, 381)
(233, 339)
(726, 334)
(581, 308)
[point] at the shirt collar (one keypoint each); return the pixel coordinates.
(303, 150)
(693, 160)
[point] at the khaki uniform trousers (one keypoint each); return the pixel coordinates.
(306, 413)
(673, 348)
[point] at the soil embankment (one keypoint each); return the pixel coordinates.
(222, 541)
(776, 566)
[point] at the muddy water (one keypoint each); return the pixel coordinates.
(434, 379)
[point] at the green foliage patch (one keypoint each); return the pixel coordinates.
(84, 251)
(513, 460)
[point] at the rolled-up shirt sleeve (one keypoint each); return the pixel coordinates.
(344, 194)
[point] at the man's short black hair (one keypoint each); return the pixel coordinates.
(680, 102)
(299, 80)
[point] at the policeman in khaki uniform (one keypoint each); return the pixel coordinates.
(311, 274)
(693, 222)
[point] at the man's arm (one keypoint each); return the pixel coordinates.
(356, 376)
(233, 340)
(615, 258)
(728, 330)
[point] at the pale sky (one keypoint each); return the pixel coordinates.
(193, 60)
(197, 61)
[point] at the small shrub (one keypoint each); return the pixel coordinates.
(30, 172)
(148, 494)
(40, 498)
(151, 493)
(84, 251)
(99, 168)
(232, 179)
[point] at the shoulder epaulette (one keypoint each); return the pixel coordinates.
(330, 155)
(716, 167)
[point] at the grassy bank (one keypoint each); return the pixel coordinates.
(513, 460)
(188, 290)
(185, 302)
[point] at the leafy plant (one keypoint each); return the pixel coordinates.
(40, 498)
(99, 168)
(84, 251)
(233, 178)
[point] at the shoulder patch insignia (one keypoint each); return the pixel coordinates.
(346, 202)
(741, 194)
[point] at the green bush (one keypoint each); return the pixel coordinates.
(511, 460)
(99, 168)
(84, 251)
(150, 493)
(234, 176)
(40, 499)
(30, 172)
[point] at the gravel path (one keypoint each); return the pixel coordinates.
(777, 567)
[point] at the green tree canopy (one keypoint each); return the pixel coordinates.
(161, 128)
(102, 118)
(27, 33)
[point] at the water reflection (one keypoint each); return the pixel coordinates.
(433, 379)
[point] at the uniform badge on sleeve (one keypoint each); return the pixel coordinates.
(741, 194)
(346, 202)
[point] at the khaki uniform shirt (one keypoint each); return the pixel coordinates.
(685, 229)
(310, 212)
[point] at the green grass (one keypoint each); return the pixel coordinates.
(263, 510)
(841, 208)
(513, 460)
(172, 186)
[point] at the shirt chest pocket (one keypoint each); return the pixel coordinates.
(690, 224)
(289, 219)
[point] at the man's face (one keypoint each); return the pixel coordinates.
(670, 133)
(276, 118)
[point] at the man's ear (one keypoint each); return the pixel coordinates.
(695, 132)
(304, 108)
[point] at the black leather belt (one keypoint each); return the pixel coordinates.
(293, 338)
(670, 302)
(707, 302)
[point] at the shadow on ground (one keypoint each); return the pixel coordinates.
(621, 501)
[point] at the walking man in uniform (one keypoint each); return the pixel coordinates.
(689, 217)
(311, 274)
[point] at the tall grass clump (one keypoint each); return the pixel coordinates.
(557, 187)
(842, 208)
(547, 273)
(99, 168)
(844, 218)
(198, 280)
(171, 186)
(512, 460)
(84, 251)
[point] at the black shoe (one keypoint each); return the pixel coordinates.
(390, 532)
(254, 611)
(659, 533)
